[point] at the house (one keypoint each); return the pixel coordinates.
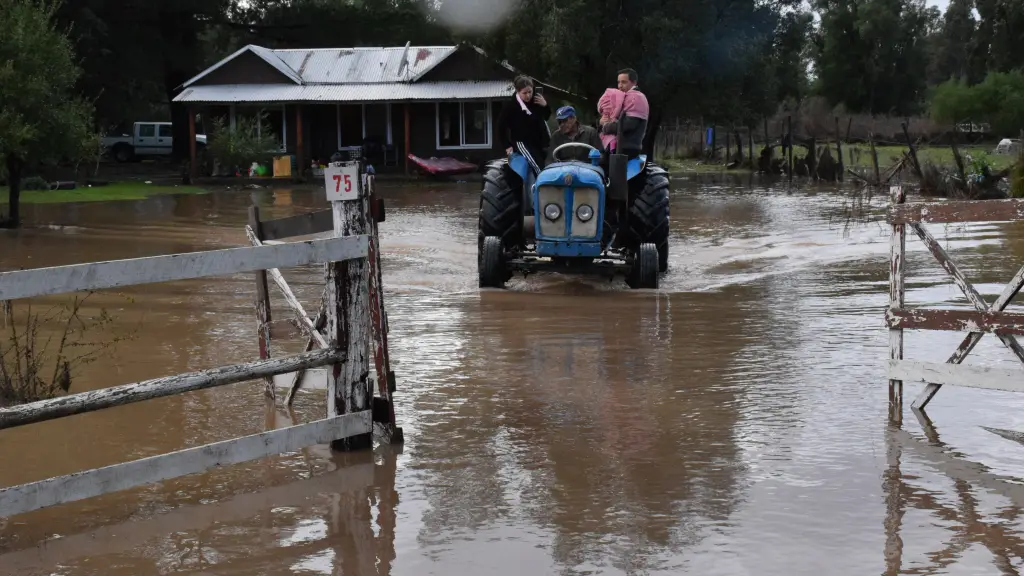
(428, 101)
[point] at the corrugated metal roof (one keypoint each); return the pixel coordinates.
(275, 60)
(354, 93)
(363, 65)
(265, 54)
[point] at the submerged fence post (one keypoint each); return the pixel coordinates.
(789, 136)
(897, 274)
(263, 317)
(348, 303)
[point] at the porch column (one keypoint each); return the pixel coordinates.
(300, 156)
(408, 143)
(193, 168)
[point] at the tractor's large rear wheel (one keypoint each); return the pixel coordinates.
(648, 214)
(501, 201)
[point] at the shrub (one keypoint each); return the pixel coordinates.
(252, 140)
(34, 183)
(30, 368)
(1017, 178)
(999, 100)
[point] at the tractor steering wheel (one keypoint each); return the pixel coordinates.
(554, 153)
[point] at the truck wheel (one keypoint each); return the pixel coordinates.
(645, 268)
(122, 154)
(648, 215)
(491, 264)
(500, 210)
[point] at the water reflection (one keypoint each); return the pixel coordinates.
(580, 413)
(975, 508)
(343, 519)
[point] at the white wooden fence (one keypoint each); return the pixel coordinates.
(344, 348)
(985, 319)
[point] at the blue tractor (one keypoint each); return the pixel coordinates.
(609, 216)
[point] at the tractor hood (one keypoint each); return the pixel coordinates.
(571, 174)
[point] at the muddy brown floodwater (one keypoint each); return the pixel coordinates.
(734, 422)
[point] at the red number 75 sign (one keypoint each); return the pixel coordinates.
(343, 182)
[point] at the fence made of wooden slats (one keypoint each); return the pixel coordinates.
(339, 339)
(984, 319)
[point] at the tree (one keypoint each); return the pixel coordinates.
(999, 100)
(1007, 48)
(41, 119)
(953, 42)
(872, 54)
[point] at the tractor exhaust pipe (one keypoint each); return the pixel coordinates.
(618, 188)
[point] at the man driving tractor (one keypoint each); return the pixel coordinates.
(570, 129)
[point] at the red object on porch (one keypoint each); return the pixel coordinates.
(443, 166)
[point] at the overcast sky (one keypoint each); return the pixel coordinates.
(940, 3)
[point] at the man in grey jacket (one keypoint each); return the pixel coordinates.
(570, 129)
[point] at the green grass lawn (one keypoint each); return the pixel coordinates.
(887, 156)
(111, 192)
(938, 155)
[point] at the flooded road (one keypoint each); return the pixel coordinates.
(734, 422)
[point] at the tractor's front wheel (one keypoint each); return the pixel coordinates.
(648, 214)
(645, 268)
(491, 264)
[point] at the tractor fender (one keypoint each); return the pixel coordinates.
(635, 166)
(519, 164)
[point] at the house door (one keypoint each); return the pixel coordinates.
(350, 128)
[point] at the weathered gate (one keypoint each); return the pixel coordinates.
(985, 319)
(349, 258)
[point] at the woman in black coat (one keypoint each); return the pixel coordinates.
(522, 123)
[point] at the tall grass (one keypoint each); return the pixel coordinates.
(41, 353)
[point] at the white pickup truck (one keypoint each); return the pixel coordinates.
(147, 139)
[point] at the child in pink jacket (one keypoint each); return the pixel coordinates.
(610, 107)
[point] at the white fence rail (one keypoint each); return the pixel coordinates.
(133, 271)
(94, 400)
(81, 485)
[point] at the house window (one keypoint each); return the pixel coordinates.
(463, 125)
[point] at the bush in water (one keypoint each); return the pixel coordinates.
(252, 140)
(29, 369)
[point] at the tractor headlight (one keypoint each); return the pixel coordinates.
(585, 212)
(552, 212)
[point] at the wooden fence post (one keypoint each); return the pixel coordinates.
(839, 150)
(789, 130)
(262, 304)
(897, 293)
(384, 406)
(348, 303)
(750, 149)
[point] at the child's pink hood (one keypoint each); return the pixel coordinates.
(611, 102)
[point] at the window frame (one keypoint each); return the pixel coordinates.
(462, 126)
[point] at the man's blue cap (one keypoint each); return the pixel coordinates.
(565, 112)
